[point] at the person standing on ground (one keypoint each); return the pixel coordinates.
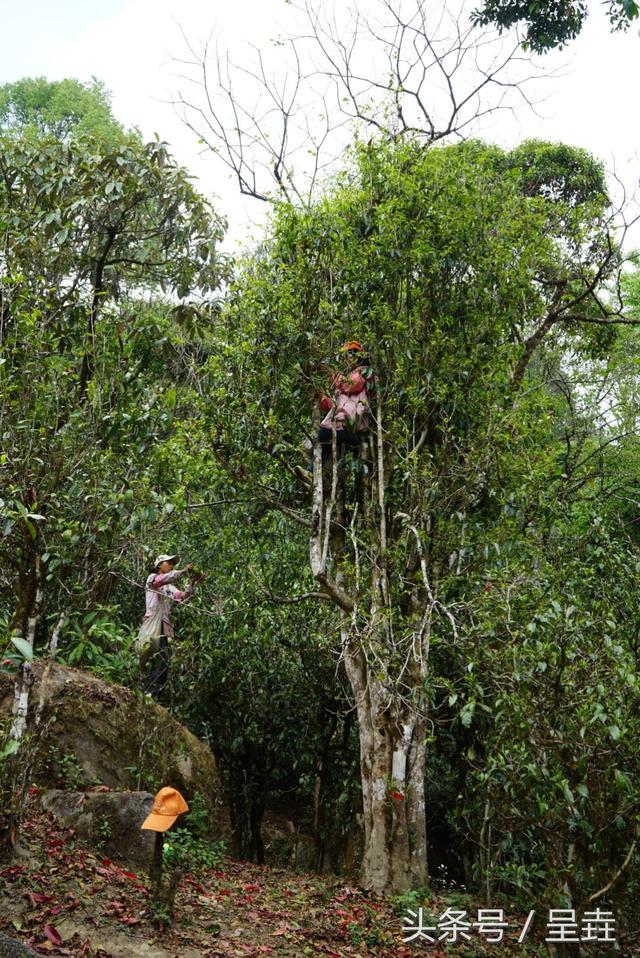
(156, 629)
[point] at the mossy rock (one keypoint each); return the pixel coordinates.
(83, 731)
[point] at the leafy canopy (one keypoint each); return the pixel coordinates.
(550, 23)
(98, 243)
(57, 107)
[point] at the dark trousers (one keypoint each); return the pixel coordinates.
(346, 441)
(158, 667)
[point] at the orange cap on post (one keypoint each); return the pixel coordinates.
(167, 806)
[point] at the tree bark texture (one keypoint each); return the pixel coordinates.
(392, 770)
(391, 728)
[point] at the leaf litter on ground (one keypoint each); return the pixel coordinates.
(62, 899)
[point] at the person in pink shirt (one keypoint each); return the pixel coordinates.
(156, 629)
(349, 408)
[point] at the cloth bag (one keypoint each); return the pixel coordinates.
(150, 629)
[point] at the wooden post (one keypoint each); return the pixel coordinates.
(167, 806)
(155, 872)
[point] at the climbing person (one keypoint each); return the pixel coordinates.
(156, 629)
(349, 408)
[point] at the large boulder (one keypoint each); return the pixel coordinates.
(84, 731)
(108, 821)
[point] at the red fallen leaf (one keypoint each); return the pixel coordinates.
(38, 897)
(280, 931)
(196, 884)
(251, 887)
(130, 921)
(13, 872)
(116, 907)
(397, 796)
(52, 934)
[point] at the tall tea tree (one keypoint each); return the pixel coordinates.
(92, 237)
(455, 266)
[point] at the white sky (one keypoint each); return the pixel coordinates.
(129, 45)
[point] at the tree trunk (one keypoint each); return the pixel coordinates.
(30, 589)
(27, 618)
(392, 769)
(391, 729)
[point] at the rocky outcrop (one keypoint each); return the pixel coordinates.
(83, 731)
(10, 948)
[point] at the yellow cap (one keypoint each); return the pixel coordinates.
(167, 806)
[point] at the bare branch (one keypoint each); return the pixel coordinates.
(413, 68)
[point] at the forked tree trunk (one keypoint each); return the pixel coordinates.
(391, 730)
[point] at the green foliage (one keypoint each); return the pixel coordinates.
(60, 108)
(96, 639)
(104, 830)
(183, 850)
(549, 23)
(258, 681)
(67, 768)
(189, 846)
(411, 900)
(138, 413)
(9, 664)
(9, 747)
(23, 648)
(471, 274)
(99, 239)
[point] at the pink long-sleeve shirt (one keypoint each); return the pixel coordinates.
(160, 592)
(350, 406)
